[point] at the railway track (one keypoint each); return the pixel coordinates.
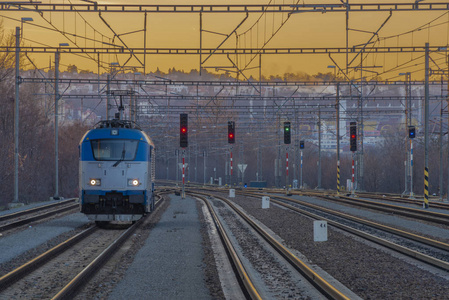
(418, 214)
(431, 251)
(51, 273)
(399, 199)
(323, 287)
(367, 196)
(382, 197)
(353, 260)
(248, 287)
(32, 265)
(18, 219)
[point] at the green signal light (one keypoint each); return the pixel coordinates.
(287, 129)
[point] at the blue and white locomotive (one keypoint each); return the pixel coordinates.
(117, 172)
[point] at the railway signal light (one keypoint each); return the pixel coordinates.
(301, 144)
(183, 130)
(411, 132)
(231, 132)
(287, 133)
(353, 136)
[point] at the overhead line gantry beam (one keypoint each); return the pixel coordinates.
(144, 82)
(255, 114)
(224, 8)
(222, 51)
(258, 98)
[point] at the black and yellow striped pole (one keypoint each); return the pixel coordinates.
(338, 177)
(426, 130)
(426, 188)
(337, 107)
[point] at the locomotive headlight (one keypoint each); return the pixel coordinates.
(133, 182)
(94, 182)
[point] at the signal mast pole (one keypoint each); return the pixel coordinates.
(183, 143)
(286, 171)
(287, 141)
(230, 178)
(183, 195)
(353, 187)
(231, 140)
(353, 148)
(300, 174)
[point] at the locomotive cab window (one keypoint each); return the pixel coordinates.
(115, 149)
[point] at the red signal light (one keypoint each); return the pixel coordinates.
(353, 135)
(183, 130)
(231, 132)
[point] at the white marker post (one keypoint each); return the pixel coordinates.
(319, 231)
(265, 202)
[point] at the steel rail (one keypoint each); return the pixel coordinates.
(35, 209)
(412, 253)
(420, 214)
(397, 198)
(36, 218)
(243, 275)
(18, 273)
(409, 235)
(76, 283)
(319, 282)
(83, 277)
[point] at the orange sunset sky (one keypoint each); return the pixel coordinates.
(181, 30)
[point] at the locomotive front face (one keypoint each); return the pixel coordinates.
(114, 175)
(114, 159)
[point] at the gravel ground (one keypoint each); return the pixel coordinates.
(194, 274)
(21, 259)
(27, 206)
(50, 278)
(368, 271)
(436, 231)
(34, 236)
(269, 272)
(186, 269)
(104, 281)
(170, 264)
(211, 253)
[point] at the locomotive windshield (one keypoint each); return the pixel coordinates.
(118, 150)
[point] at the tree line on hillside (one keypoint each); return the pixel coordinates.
(36, 140)
(194, 74)
(36, 148)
